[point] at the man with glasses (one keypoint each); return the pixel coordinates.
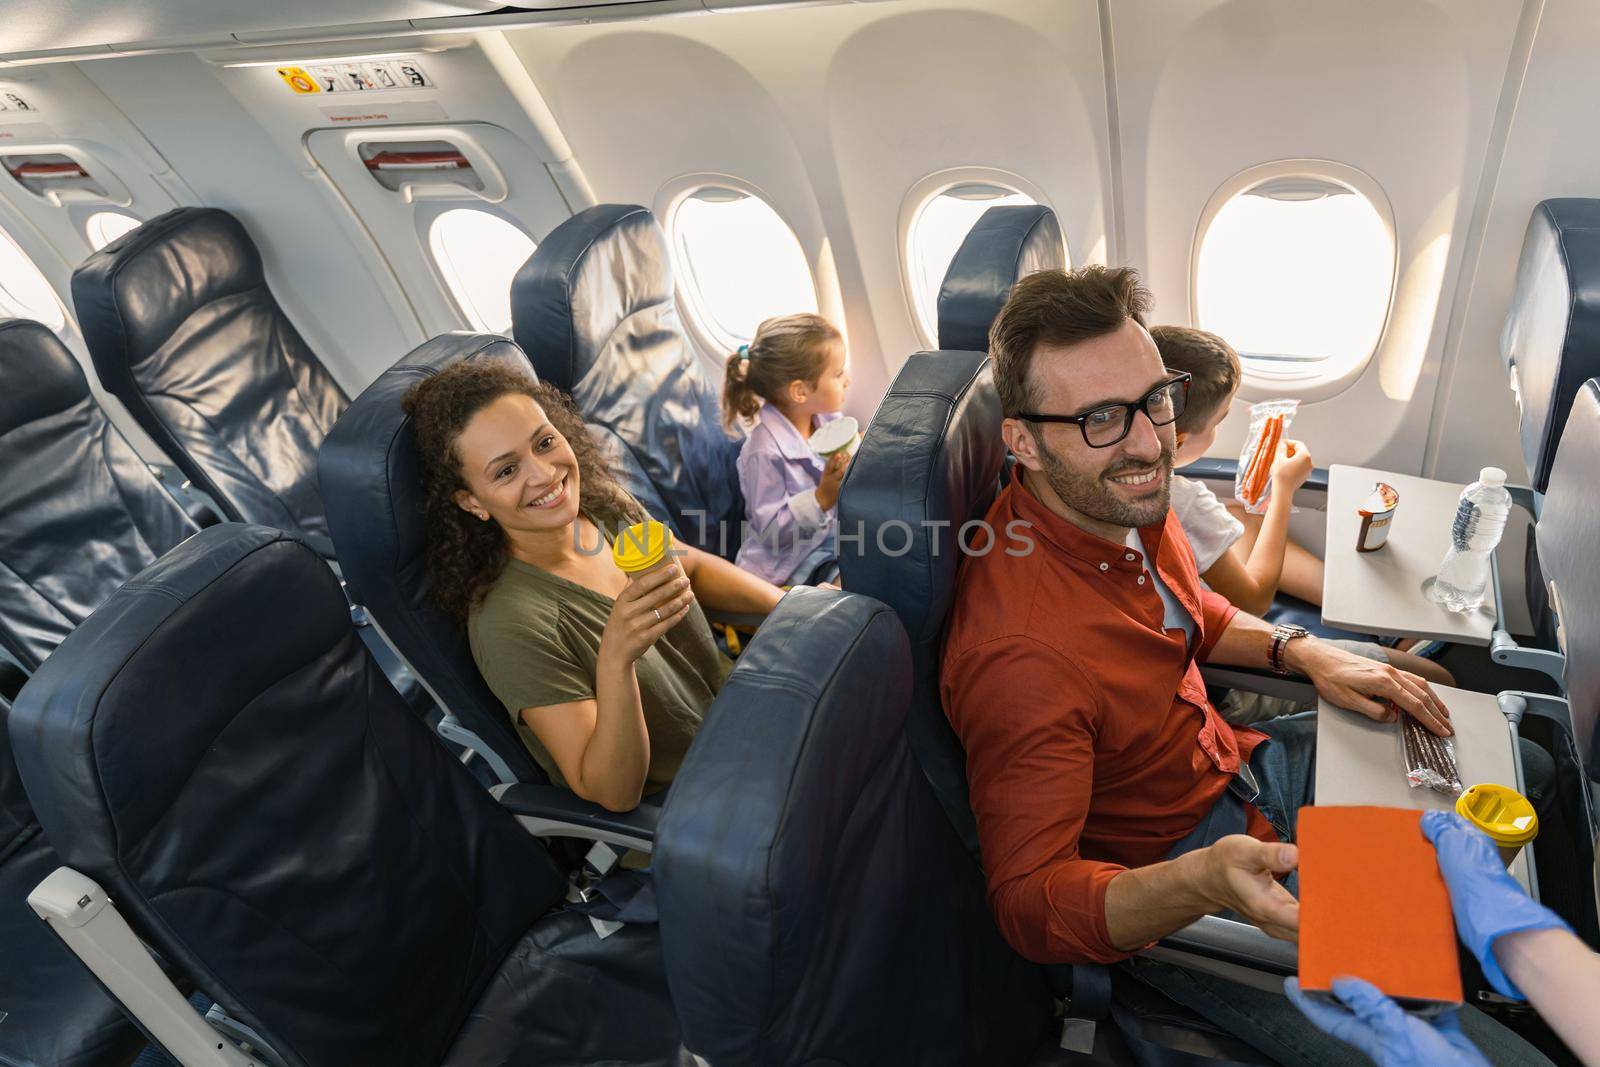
(1114, 805)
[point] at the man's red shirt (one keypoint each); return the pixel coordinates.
(1091, 746)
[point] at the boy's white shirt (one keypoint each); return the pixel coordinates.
(1206, 522)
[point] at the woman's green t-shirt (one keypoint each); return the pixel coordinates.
(536, 639)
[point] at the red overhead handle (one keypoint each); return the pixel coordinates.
(47, 170)
(450, 160)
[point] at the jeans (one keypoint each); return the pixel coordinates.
(1285, 769)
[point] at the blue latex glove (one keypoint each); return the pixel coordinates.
(1488, 902)
(1384, 1031)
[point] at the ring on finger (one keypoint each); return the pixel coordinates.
(658, 614)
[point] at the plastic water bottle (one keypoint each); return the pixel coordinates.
(1480, 522)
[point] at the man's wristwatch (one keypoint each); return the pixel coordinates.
(1282, 634)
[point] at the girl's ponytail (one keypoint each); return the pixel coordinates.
(739, 397)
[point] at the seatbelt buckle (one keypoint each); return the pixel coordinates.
(1245, 785)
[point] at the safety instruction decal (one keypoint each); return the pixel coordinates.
(356, 77)
(13, 101)
(299, 79)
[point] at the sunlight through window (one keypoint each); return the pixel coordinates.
(104, 227)
(1296, 274)
(936, 234)
(739, 263)
(24, 292)
(478, 253)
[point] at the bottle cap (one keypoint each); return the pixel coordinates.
(641, 546)
(1492, 476)
(1504, 814)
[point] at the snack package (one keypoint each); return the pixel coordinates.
(1430, 761)
(1269, 424)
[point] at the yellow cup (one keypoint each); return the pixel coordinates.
(1504, 814)
(642, 547)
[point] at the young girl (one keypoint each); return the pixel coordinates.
(791, 378)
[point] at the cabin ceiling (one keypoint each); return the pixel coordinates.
(40, 25)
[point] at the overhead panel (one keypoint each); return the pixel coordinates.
(399, 180)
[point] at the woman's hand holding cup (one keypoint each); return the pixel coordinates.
(652, 603)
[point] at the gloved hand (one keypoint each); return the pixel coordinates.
(1384, 1031)
(1487, 901)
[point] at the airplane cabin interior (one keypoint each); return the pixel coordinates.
(746, 533)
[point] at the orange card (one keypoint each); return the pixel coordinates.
(1373, 905)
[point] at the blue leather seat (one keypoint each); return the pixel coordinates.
(183, 331)
(1551, 346)
(80, 513)
(1006, 244)
(594, 309)
(286, 833)
(371, 480)
(1551, 339)
(931, 455)
(816, 906)
(1569, 531)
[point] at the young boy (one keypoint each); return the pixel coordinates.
(1247, 566)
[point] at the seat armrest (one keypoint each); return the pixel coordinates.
(187, 497)
(1254, 680)
(1234, 942)
(551, 811)
(1224, 470)
(735, 619)
(81, 914)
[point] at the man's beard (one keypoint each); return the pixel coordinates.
(1093, 497)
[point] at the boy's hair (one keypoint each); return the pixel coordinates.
(785, 349)
(1212, 362)
(1058, 307)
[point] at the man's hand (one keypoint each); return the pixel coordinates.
(1241, 875)
(1364, 685)
(1376, 1025)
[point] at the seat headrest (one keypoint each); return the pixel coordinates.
(371, 485)
(929, 462)
(38, 376)
(1007, 244)
(1551, 339)
(591, 274)
(136, 291)
(1568, 531)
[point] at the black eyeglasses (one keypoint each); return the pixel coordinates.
(1106, 425)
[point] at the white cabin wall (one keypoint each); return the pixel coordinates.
(834, 113)
(1550, 151)
(1403, 90)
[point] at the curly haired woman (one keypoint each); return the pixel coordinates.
(605, 679)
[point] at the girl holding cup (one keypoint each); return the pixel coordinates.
(791, 380)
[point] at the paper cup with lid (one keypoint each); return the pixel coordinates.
(842, 434)
(1505, 815)
(642, 548)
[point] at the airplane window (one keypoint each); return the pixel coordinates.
(103, 227)
(941, 224)
(24, 292)
(1296, 273)
(739, 263)
(478, 253)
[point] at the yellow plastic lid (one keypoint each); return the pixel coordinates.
(1504, 814)
(641, 546)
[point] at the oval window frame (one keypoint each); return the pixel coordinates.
(713, 344)
(60, 319)
(428, 218)
(923, 193)
(1253, 385)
